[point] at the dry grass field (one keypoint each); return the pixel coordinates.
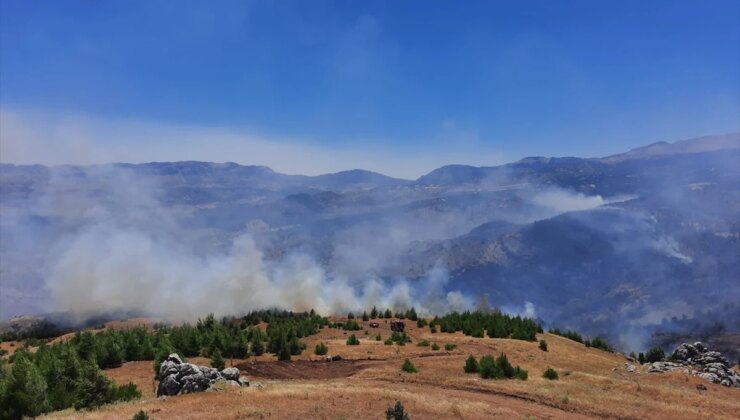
(592, 384)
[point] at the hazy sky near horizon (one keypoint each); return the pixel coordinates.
(397, 87)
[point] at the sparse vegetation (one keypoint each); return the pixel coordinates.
(655, 354)
(353, 340)
(423, 343)
(351, 325)
(217, 360)
(408, 367)
(435, 346)
(471, 365)
(141, 415)
(321, 349)
(396, 412)
(450, 346)
(550, 374)
(498, 368)
(571, 335)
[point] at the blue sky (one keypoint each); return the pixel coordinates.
(396, 86)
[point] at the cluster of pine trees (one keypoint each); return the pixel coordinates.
(375, 313)
(597, 342)
(494, 368)
(59, 376)
(494, 324)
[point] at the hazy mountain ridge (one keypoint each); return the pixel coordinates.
(609, 245)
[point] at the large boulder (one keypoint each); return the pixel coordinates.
(177, 377)
(697, 359)
(230, 374)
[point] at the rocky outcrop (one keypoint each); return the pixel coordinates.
(177, 377)
(697, 359)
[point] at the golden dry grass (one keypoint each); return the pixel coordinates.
(593, 384)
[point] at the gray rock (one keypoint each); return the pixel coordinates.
(168, 386)
(230, 374)
(243, 381)
(174, 358)
(167, 368)
(210, 373)
(709, 365)
(194, 383)
(188, 369)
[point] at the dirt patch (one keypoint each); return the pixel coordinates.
(304, 369)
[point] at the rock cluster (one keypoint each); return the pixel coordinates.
(697, 359)
(176, 377)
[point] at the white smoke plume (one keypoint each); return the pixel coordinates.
(133, 254)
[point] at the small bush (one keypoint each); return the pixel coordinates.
(543, 345)
(550, 374)
(450, 346)
(321, 349)
(421, 323)
(353, 340)
(408, 366)
(488, 369)
(127, 392)
(396, 412)
(435, 346)
(377, 338)
(655, 354)
(520, 373)
(217, 360)
(351, 325)
(388, 342)
(423, 343)
(471, 365)
(141, 415)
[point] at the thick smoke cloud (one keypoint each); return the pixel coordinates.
(123, 251)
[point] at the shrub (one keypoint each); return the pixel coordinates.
(488, 369)
(256, 345)
(396, 412)
(421, 323)
(450, 346)
(127, 392)
(141, 415)
(353, 341)
(435, 346)
(471, 365)
(423, 343)
(378, 338)
(93, 388)
(321, 349)
(388, 342)
(283, 353)
(543, 345)
(550, 374)
(217, 360)
(641, 358)
(655, 354)
(520, 373)
(599, 343)
(351, 325)
(408, 366)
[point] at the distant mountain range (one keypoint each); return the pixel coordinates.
(626, 246)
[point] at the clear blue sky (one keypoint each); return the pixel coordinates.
(511, 78)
